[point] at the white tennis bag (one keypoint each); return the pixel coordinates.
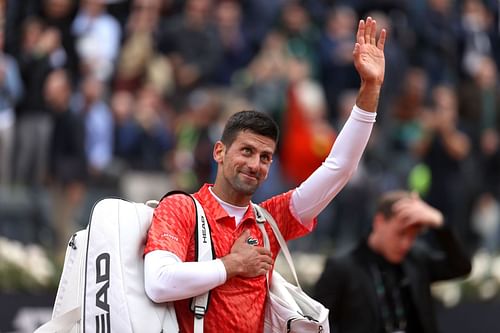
(102, 284)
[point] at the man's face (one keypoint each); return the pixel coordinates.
(245, 164)
(397, 237)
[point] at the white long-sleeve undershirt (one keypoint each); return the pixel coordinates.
(167, 278)
(316, 192)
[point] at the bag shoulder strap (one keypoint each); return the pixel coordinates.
(204, 251)
(262, 215)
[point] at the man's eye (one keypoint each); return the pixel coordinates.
(265, 159)
(247, 151)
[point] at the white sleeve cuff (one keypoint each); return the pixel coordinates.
(362, 115)
(221, 269)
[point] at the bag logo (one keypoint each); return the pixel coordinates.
(203, 229)
(102, 321)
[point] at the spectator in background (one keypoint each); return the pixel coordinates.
(301, 34)
(476, 40)
(41, 53)
(98, 119)
(195, 132)
(144, 130)
(444, 148)
(59, 14)
(190, 41)
(480, 101)
(122, 108)
(68, 162)
(363, 7)
(14, 13)
(437, 47)
(480, 112)
(97, 39)
(404, 127)
(67, 158)
(338, 72)
(263, 11)
(236, 50)
(11, 89)
(140, 61)
(266, 77)
(383, 285)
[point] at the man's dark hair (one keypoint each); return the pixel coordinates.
(387, 201)
(253, 121)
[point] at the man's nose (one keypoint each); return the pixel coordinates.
(254, 162)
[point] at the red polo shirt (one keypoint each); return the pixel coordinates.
(238, 304)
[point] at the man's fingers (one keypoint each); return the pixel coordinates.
(381, 39)
(368, 29)
(367, 33)
(267, 259)
(373, 33)
(263, 251)
(267, 267)
(361, 32)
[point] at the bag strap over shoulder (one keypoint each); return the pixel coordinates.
(262, 215)
(204, 251)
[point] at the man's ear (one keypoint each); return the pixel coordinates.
(218, 153)
(378, 221)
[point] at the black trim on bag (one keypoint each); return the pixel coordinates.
(174, 192)
(86, 266)
(289, 325)
(72, 242)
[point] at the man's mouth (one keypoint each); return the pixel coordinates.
(250, 177)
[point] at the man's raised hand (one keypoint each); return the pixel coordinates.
(368, 53)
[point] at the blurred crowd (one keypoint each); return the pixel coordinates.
(126, 98)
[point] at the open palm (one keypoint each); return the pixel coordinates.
(368, 53)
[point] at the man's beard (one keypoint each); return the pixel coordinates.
(245, 187)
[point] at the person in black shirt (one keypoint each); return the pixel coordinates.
(383, 285)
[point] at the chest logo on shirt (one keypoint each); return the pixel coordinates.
(252, 241)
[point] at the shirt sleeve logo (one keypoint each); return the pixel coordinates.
(172, 237)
